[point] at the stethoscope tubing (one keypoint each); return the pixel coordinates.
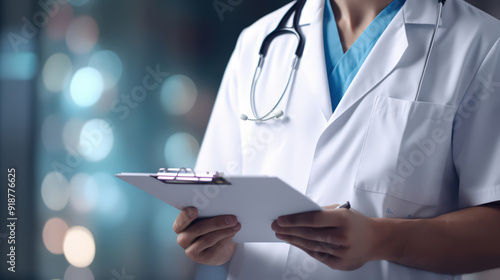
(281, 30)
(431, 47)
(296, 9)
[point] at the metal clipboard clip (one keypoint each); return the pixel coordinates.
(189, 176)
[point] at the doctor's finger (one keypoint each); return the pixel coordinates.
(322, 257)
(331, 207)
(202, 227)
(184, 219)
(313, 246)
(325, 235)
(211, 239)
(218, 249)
(331, 218)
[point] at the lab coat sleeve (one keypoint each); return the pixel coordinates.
(476, 136)
(221, 148)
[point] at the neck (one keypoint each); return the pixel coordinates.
(357, 14)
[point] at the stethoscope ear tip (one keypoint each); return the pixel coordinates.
(244, 117)
(278, 114)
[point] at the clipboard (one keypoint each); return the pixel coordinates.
(255, 200)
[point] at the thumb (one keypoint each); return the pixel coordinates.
(331, 207)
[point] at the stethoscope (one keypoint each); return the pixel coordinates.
(296, 9)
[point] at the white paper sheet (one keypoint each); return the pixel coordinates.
(255, 201)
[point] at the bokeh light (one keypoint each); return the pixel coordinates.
(86, 86)
(78, 273)
(82, 34)
(53, 235)
(60, 21)
(51, 133)
(56, 71)
(178, 94)
(109, 64)
(55, 191)
(112, 205)
(71, 134)
(18, 66)
(79, 246)
(162, 226)
(83, 192)
(181, 150)
(106, 102)
(96, 140)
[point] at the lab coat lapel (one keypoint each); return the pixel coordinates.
(380, 62)
(313, 63)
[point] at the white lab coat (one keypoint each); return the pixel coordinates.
(389, 155)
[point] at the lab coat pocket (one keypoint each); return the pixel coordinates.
(407, 150)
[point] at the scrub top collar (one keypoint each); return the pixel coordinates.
(342, 67)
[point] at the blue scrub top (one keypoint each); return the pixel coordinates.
(342, 67)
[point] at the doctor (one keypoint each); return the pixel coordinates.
(394, 107)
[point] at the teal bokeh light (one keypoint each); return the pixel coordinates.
(86, 86)
(109, 64)
(181, 150)
(112, 205)
(18, 66)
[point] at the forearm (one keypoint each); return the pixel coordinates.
(455, 243)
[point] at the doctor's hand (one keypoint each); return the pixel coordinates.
(340, 238)
(207, 241)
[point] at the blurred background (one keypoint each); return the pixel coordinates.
(91, 88)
